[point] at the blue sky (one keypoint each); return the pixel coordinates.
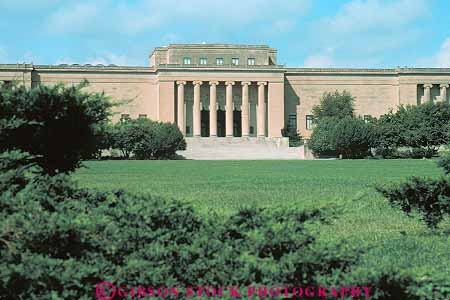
(307, 33)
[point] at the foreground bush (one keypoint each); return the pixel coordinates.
(429, 197)
(59, 125)
(349, 137)
(146, 139)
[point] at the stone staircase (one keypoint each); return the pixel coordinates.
(238, 148)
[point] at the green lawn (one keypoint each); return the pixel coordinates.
(391, 238)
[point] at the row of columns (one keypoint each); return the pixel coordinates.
(427, 91)
(261, 112)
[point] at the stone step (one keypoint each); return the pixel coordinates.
(240, 149)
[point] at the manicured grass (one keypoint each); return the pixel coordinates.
(389, 237)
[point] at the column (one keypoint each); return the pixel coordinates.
(245, 109)
(229, 109)
(180, 102)
(196, 112)
(213, 108)
(261, 114)
(427, 92)
(444, 88)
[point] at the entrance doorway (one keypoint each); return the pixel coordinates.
(237, 123)
(220, 123)
(204, 125)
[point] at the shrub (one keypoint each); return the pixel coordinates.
(429, 197)
(349, 137)
(58, 125)
(392, 284)
(146, 139)
(58, 241)
(422, 128)
(295, 139)
(444, 163)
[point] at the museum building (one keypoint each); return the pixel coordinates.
(223, 90)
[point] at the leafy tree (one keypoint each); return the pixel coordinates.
(349, 137)
(337, 104)
(424, 126)
(58, 125)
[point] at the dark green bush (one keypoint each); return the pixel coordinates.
(444, 163)
(295, 139)
(58, 124)
(429, 197)
(146, 139)
(349, 137)
(395, 284)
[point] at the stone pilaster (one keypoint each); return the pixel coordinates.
(180, 106)
(213, 108)
(427, 92)
(261, 118)
(196, 109)
(229, 109)
(444, 88)
(245, 109)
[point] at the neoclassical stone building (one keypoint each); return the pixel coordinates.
(236, 90)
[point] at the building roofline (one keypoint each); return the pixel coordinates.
(282, 68)
(213, 46)
(369, 70)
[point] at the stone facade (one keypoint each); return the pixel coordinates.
(236, 90)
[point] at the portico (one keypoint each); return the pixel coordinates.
(237, 105)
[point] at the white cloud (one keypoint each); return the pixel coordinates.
(145, 15)
(318, 61)
(362, 32)
(104, 58)
(440, 59)
(365, 15)
(75, 17)
(107, 58)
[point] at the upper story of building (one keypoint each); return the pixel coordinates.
(220, 55)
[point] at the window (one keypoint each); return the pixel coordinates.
(367, 118)
(203, 61)
(252, 130)
(251, 61)
(124, 117)
(142, 116)
(292, 125)
(187, 61)
(309, 122)
(219, 61)
(235, 61)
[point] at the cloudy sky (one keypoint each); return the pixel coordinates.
(307, 33)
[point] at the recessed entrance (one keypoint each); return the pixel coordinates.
(221, 125)
(205, 123)
(237, 123)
